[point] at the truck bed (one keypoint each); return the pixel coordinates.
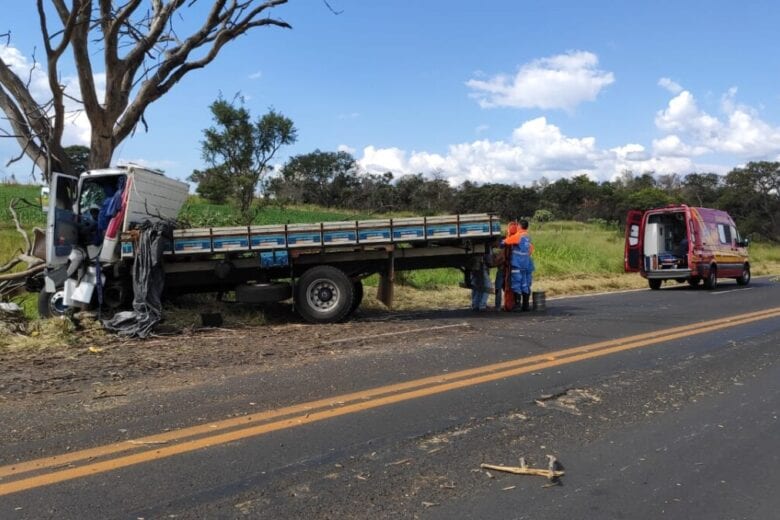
(276, 241)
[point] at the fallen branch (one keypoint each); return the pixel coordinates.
(26, 256)
(551, 473)
(22, 274)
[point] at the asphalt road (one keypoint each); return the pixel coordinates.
(656, 404)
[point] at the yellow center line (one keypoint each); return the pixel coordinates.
(143, 443)
(349, 403)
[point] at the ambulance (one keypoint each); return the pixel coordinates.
(686, 244)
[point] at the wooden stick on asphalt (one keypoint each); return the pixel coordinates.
(550, 473)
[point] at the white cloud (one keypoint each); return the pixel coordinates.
(345, 148)
(539, 148)
(256, 75)
(739, 131)
(562, 81)
(670, 85)
(481, 129)
(536, 148)
(380, 160)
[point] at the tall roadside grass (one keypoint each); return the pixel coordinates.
(199, 213)
(764, 258)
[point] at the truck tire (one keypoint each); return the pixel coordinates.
(654, 284)
(694, 281)
(711, 281)
(745, 278)
(51, 305)
(324, 294)
(357, 298)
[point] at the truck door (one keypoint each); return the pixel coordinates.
(633, 250)
(61, 220)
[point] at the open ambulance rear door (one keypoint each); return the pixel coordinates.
(632, 258)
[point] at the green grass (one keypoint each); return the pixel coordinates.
(198, 213)
(564, 250)
(29, 215)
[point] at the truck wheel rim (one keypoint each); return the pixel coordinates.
(323, 295)
(57, 303)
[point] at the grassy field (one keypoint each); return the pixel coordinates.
(571, 257)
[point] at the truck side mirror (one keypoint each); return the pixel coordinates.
(743, 243)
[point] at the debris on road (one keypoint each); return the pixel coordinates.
(552, 473)
(569, 400)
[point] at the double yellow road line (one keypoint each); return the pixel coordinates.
(23, 476)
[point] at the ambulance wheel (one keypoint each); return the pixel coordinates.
(357, 291)
(655, 284)
(51, 305)
(694, 281)
(324, 294)
(745, 278)
(711, 281)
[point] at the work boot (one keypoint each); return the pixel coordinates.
(526, 298)
(518, 299)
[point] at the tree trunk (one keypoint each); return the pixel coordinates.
(101, 148)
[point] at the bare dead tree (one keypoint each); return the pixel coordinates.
(140, 51)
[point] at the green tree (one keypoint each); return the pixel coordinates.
(324, 178)
(213, 184)
(752, 196)
(79, 158)
(701, 189)
(241, 150)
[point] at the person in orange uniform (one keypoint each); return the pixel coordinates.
(521, 265)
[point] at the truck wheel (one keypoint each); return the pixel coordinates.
(324, 294)
(51, 305)
(655, 284)
(357, 292)
(745, 278)
(712, 278)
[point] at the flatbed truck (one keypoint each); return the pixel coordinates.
(319, 265)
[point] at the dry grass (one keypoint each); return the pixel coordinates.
(408, 298)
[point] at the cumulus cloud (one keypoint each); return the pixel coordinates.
(346, 148)
(689, 137)
(738, 130)
(534, 149)
(556, 82)
(77, 127)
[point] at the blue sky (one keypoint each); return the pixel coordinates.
(491, 91)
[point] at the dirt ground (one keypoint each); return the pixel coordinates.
(98, 364)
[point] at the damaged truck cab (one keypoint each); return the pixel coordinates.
(86, 215)
(686, 244)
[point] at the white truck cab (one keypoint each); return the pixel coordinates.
(86, 216)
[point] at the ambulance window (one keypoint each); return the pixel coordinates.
(724, 234)
(633, 235)
(734, 234)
